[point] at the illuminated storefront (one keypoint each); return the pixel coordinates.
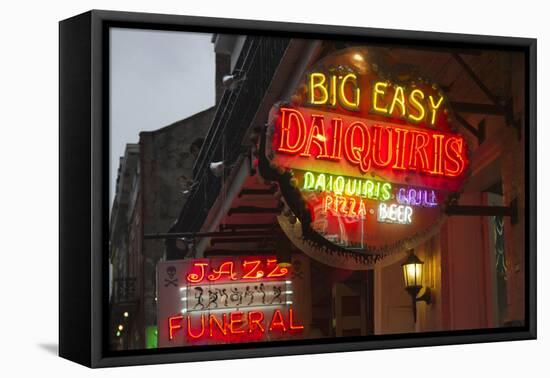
(333, 170)
(372, 160)
(225, 300)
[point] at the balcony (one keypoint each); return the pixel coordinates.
(259, 59)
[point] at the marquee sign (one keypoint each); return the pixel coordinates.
(224, 300)
(373, 157)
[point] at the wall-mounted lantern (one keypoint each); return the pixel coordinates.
(413, 273)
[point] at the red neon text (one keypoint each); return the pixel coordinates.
(234, 324)
(247, 269)
(369, 145)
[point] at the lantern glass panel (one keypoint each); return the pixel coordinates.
(413, 274)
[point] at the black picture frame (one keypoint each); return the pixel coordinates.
(84, 194)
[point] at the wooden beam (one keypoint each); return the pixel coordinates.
(257, 192)
(253, 210)
(476, 108)
(476, 79)
(475, 132)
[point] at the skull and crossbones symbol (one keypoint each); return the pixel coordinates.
(172, 279)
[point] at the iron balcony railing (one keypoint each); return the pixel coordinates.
(258, 61)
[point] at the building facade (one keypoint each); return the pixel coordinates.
(203, 188)
(474, 263)
(154, 182)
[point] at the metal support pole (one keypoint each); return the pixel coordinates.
(476, 108)
(192, 235)
(487, 211)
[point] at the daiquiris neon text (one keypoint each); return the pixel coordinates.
(369, 145)
(348, 186)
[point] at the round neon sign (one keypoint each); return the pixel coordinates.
(365, 160)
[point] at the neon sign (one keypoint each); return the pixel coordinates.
(369, 153)
(369, 145)
(223, 300)
(249, 269)
(348, 186)
(235, 295)
(388, 99)
(236, 324)
(344, 206)
(395, 213)
(332, 90)
(416, 197)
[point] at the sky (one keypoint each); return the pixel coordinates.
(157, 78)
